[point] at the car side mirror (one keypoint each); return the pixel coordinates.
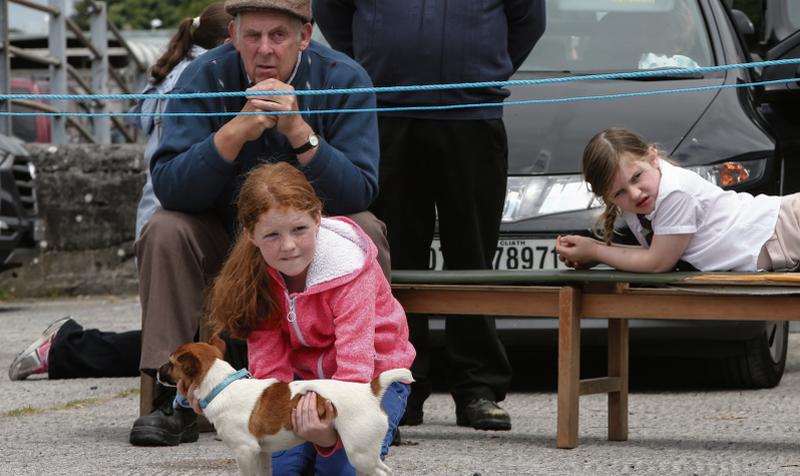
(743, 23)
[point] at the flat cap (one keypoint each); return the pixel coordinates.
(298, 8)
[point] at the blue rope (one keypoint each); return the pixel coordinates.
(387, 89)
(409, 108)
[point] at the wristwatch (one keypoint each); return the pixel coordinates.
(312, 142)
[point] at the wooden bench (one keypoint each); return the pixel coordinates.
(617, 296)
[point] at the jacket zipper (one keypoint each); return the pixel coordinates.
(292, 318)
(320, 370)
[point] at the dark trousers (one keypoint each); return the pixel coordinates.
(84, 353)
(458, 170)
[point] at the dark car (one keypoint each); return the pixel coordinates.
(20, 230)
(729, 136)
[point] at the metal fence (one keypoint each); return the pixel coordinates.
(102, 77)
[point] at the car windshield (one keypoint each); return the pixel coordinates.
(614, 35)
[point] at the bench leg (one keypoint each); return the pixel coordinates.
(569, 348)
(618, 367)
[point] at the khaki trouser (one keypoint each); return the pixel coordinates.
(179, 254)
(783, 249)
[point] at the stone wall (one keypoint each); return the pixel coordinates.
(87, 201)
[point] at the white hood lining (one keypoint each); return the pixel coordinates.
(340, 251)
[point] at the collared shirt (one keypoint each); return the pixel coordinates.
(728, 228)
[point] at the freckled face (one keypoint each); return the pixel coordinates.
(268, 43)
(287, 239)
(635, 185)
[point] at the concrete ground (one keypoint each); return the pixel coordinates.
(81, 426)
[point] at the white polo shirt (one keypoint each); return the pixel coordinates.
(729, 228)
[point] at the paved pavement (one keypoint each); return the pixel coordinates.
(81, 426)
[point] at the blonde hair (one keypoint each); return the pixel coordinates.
(242, 296)
(601, 162)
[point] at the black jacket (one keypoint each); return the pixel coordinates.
(414, 42)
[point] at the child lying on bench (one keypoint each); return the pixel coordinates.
(676, 216)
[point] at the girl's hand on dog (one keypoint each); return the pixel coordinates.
(309, 426)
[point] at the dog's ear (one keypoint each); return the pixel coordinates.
(217, 342)
(190, 365)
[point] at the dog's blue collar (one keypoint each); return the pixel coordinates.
(221, 386)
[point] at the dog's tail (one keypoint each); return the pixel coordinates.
(386, 378)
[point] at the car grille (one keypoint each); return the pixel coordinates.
(23, 177)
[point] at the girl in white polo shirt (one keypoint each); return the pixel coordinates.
(678, 216)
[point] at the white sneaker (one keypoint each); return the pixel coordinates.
(33, 360)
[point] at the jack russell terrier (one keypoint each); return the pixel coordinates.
(254, 417)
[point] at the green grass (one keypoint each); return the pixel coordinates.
(70, 405)
(24, 411)
(78, 404)
(127, 393)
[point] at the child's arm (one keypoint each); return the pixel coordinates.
(353, 308)
(662, 256)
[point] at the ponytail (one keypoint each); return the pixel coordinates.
(179, 46)
(603, 228)
(208, 30)
(242, 296)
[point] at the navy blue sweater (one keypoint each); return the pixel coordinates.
(412, 42)
(190, 175)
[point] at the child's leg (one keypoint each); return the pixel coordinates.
(294, 461)
(394, 403)
(333, 465)
(784, 246)
(85, 353)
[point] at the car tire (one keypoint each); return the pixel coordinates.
(763, 359)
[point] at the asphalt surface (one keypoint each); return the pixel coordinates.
(81, 426)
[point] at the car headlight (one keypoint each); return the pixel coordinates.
(531, 197)
(728, 174)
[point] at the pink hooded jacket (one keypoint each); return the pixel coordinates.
(346, 325)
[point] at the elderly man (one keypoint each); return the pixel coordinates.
(203, 156)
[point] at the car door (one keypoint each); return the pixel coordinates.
(779, 102)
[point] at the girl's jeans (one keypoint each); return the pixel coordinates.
(294, 460)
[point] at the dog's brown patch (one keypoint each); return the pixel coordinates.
(321, 411)
(273, 410)
(375, 385)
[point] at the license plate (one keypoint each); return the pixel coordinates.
(513, 254)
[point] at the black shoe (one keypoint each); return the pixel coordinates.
(483, 414)
(412, 416)
(165, 426)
